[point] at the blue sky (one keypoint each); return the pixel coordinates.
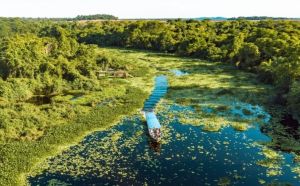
(150, 8)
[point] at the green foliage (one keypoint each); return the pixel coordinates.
(12, 26)
(248, 56)
(236, 46)
(294, 99)
(37, 67)
(19, 157)
(16, 89)
(42, 69)
(94, 17)
(21, 56)
(55, 61)
(261, 18)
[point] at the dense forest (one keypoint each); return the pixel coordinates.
(269, 48)
(95, 17)
(262, 18)
(43, 70)
(56, 54)
(40, 60)
(250, 18)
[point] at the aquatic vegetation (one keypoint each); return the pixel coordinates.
(185, 101)
(297, 159)
(190, 120)
(261, 181)
(24, 156)
(214, 116)
(196, 103)
(211, 127)
(81, 160)
(271, 154)
(224, 181)
(55, 182)
(57, 95)
(296, 170)
(273, 162)
(116, 136)
(222, 108)
(184, 148)
(274, 172)
(240, 126)
(217, 103)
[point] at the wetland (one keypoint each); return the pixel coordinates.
(212, 122)
(70, 104)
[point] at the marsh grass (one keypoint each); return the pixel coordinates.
(220, 97)
(20, 157)
(214, 87)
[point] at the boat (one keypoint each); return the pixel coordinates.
(154, 127)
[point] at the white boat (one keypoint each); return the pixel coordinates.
(154, 127)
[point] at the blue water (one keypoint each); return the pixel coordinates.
(187, 156)
(178, 72)
(159, 91)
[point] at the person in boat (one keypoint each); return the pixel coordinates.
(155, 133)
(153, 125)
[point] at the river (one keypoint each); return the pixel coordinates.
(188, 154)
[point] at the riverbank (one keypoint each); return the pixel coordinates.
(21, 157)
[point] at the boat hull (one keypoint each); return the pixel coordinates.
(155, 134)
(154, 126)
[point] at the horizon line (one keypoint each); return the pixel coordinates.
(71, 17)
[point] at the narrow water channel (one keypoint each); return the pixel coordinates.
(186, 155)
(159, 91)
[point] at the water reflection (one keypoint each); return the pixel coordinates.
(178, 72)
(155, 146)
(291, 126)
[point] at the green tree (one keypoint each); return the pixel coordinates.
(20, 56)
(237, 44)
(248, 56)
(293, 99)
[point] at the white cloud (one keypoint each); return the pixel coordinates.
(150, 8)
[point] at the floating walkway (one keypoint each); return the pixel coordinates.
(159, 91)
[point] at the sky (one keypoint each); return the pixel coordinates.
(150, 8)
